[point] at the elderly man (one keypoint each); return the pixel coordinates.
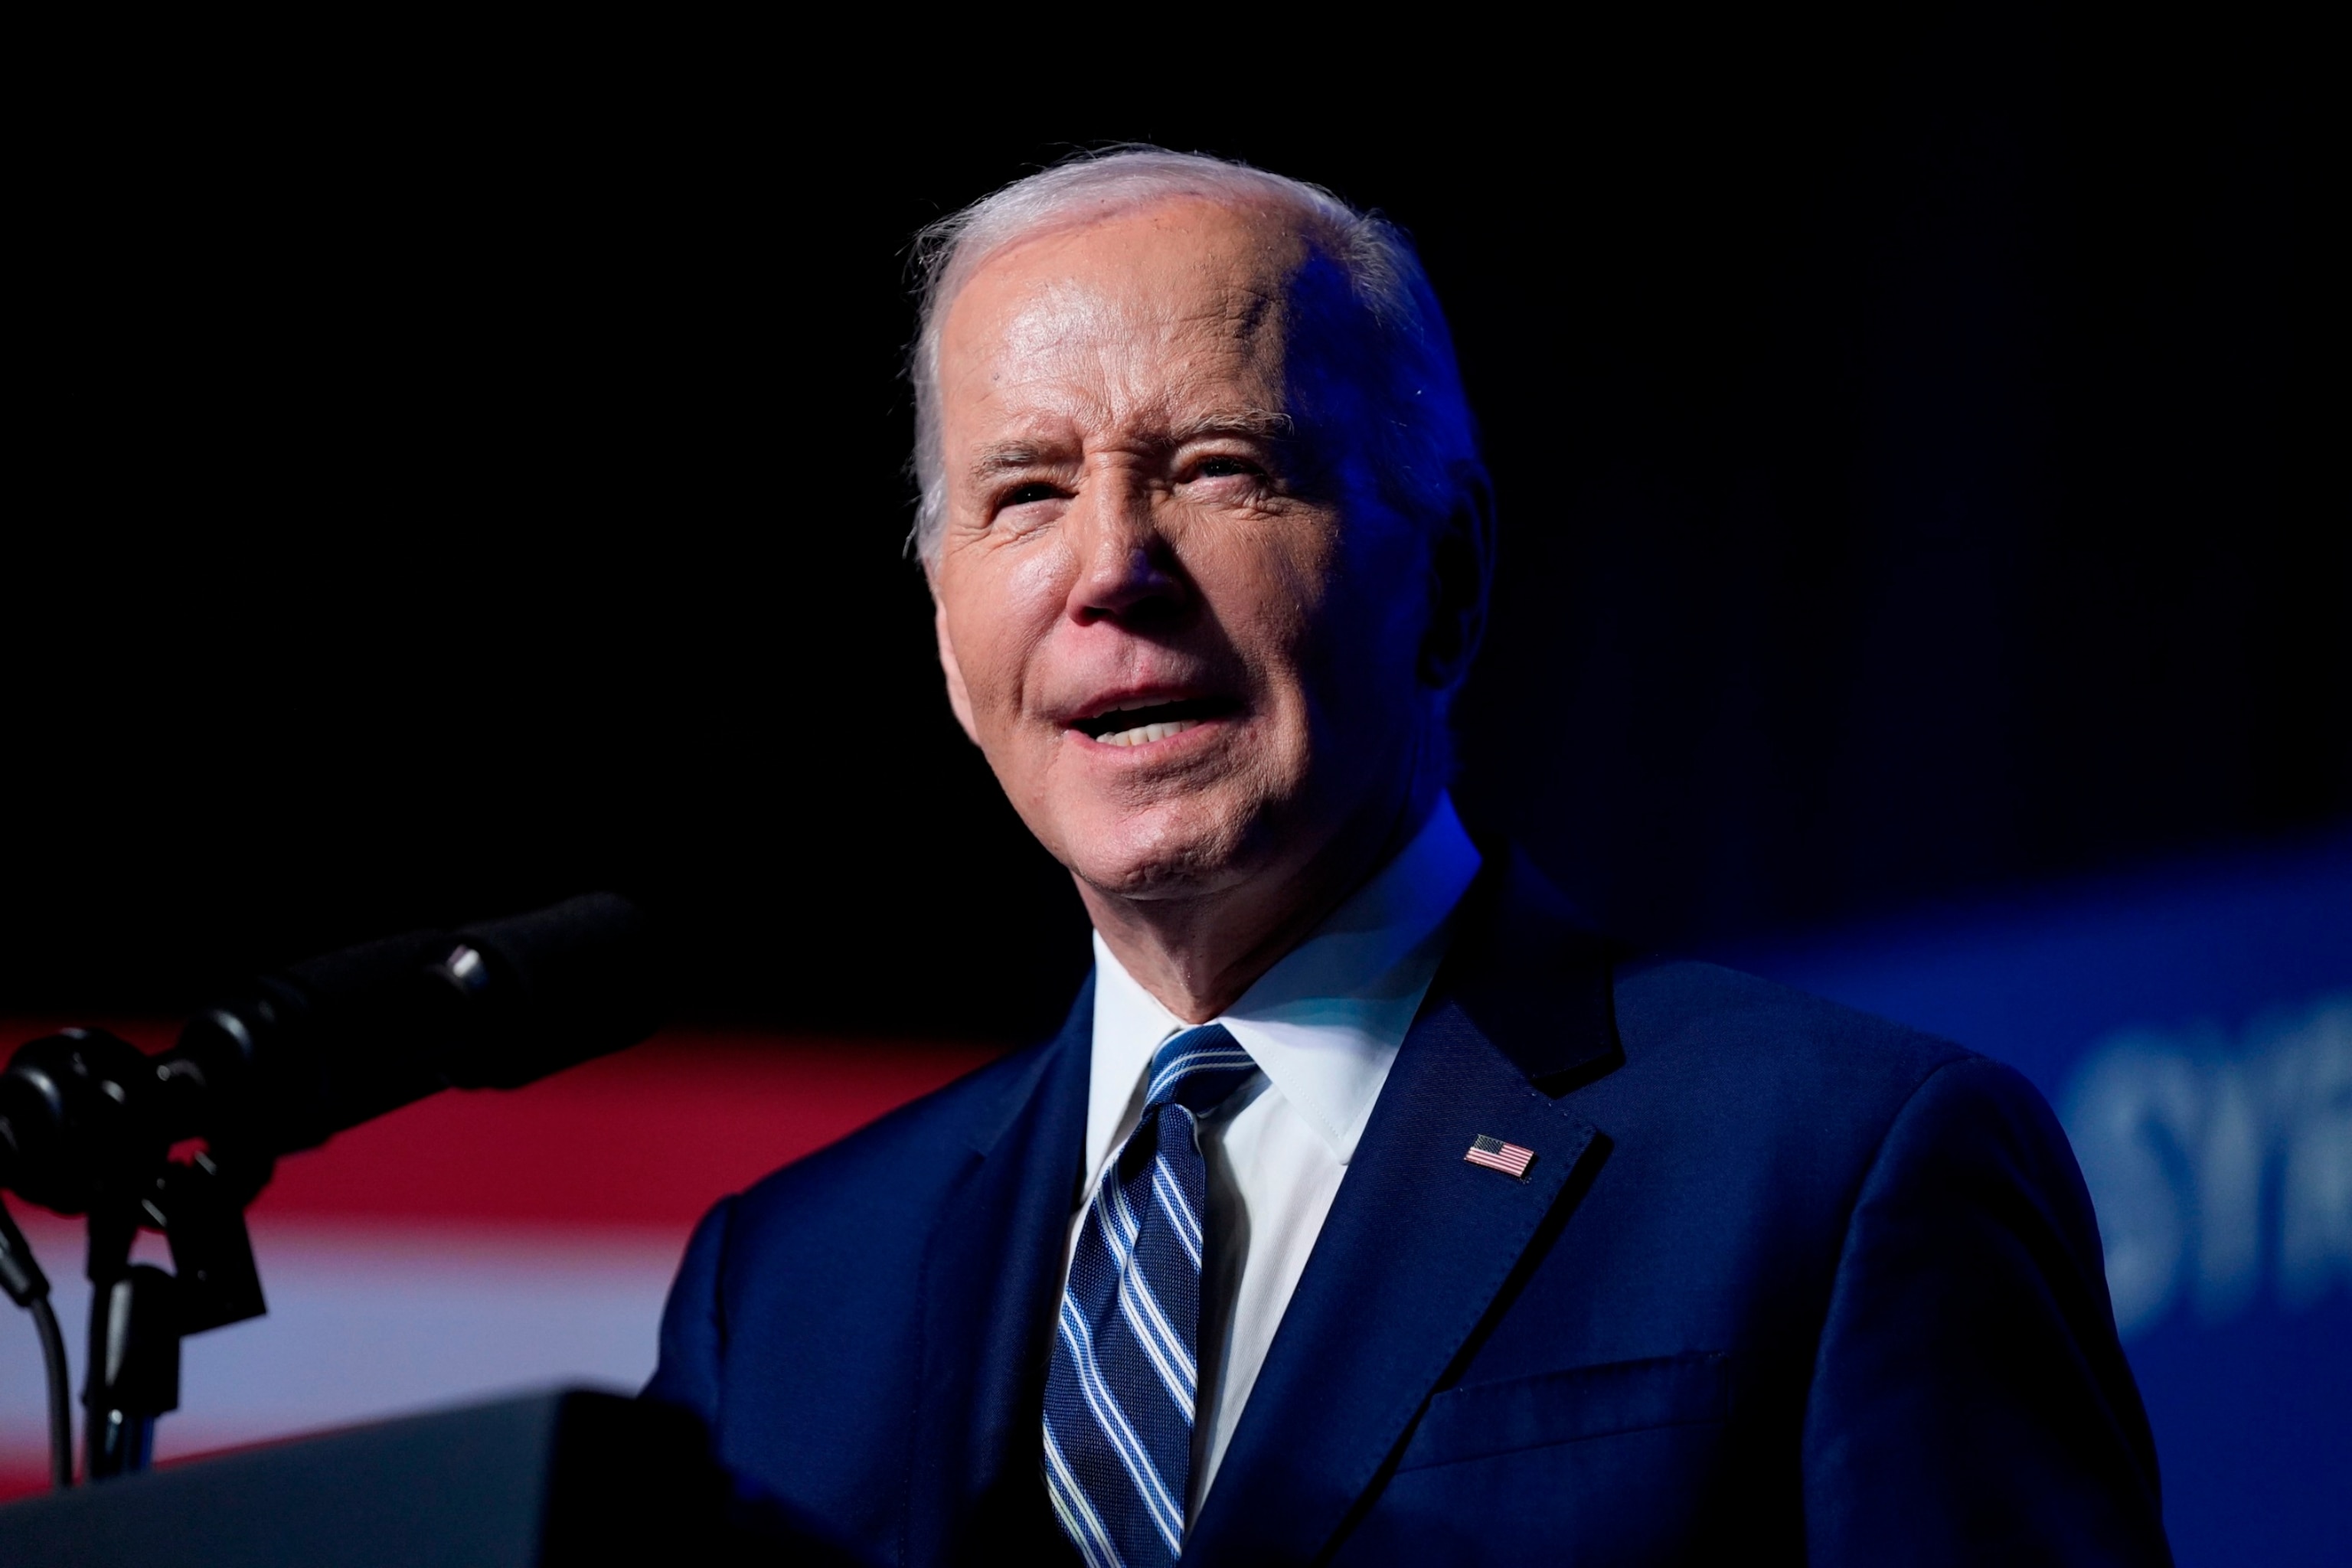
(1367, 1208)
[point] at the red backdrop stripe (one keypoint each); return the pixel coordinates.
(647, 1138)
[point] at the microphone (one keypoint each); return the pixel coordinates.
(321, 1046)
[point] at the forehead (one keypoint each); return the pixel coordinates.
(1143, 311)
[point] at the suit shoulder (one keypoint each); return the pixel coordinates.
(1745, 1109)
(1533, 972)
(903, 1158)
(1741, 1030)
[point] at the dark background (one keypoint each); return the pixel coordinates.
(430, 505)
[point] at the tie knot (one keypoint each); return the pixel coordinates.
(1197, 1069)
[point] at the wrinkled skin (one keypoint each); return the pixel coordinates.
(1156, 495)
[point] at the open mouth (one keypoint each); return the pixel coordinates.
(1146, 722)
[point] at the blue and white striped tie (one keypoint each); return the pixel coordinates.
(1119, 1396)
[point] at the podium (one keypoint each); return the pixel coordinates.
(571, 1476)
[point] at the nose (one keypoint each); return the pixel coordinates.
(1127, 568)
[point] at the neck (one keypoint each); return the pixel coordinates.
(1197, 955)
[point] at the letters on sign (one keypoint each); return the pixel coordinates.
(2216, 1164)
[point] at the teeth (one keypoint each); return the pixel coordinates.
(1144, 735)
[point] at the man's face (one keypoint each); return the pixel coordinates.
(1170, 610)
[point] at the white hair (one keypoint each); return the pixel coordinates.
(1421, 440)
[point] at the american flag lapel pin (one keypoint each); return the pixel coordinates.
(1497, 1156)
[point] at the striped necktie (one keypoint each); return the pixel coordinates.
(1119, 1396)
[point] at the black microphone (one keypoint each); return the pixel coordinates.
(327, 1044)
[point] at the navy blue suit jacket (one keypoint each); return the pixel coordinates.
(1784, 1283)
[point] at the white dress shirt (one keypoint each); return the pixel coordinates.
(1324, 1025)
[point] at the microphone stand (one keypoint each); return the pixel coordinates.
(111, 1157)
(138, 1313)
(89, 1124)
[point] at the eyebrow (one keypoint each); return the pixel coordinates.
(1258, 424)
(1264, 423)
(1006, 457)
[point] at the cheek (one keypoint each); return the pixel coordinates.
(1000, 612)
(1390, 572)
(1364, 618)
(1279, 584)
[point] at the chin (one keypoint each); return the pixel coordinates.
(1172, 850)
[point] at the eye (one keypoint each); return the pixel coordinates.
(1028, 495)
(1225, 467)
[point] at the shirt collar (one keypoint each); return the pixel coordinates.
(1326, 1022)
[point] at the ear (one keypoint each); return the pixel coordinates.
(1461, 580)
(959, 695)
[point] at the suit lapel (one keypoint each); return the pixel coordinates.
(1419, 1241)
(987, 1289)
